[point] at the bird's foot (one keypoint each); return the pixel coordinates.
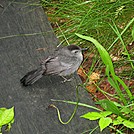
(65, 79)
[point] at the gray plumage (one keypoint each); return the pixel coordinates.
(63, 62)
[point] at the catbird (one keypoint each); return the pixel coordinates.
(63, 62)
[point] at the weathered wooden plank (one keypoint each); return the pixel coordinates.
(18, 55)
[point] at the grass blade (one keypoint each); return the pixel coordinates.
(109, 65)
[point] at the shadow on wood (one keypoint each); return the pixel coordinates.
(23, 29)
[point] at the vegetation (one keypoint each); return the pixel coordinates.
(6, 118)
(108, 71)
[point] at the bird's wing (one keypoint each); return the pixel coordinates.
(58, 63)
(52, 65)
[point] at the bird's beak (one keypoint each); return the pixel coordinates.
(84, 49)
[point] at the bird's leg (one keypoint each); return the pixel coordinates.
(65, 79)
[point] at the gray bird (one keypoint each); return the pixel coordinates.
(63, 62)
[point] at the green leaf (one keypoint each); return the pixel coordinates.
(118, 121)
(117, 104)
(104, 122)
(6, 116)
(112, 83)
(92, 115)
(125, 110)
(110, 69)
(109, 106)
(128, 124)
(133, 32)
(103, 53)
(105, 113)
(9, 125)
(125, 87)
(2, 110)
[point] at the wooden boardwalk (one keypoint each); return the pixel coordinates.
(24, 29)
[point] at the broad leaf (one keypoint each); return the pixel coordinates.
(92, 115)
(128, 124)
(104, 122)
(6, 116)
(109, 106)
(105, 113)
(2, 110)
(118, 121)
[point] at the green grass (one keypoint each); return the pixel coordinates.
(89, 18)
(96, 19)
(109, 25)
(124, 115)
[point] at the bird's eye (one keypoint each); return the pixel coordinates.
(75, 52)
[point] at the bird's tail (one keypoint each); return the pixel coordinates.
(32, 77)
